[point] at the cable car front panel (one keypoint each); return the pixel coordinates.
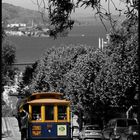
(50, 130)
(49, 119)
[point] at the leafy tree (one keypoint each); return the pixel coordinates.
(8, 58)
(60, 11)
(80, 84)
(80, 79)
(53, 65)
(117, 82)
(28, 74)
(27, 77)
(7, 70)
(72, 69)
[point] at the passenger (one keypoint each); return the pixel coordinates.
(24, 118)
(38, 117)
(17, 115)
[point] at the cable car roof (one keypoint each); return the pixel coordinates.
(46, 95)
(48, 101)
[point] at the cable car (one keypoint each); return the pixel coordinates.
(46, 116)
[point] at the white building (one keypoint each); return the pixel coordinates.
(16, 25)
(13, 25)
(16, 33)
(22, 24)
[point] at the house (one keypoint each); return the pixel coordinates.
(13, 25)
(16, 25)
(15, 33)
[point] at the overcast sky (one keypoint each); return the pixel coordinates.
(31, 4)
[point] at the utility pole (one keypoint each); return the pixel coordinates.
(99, 43)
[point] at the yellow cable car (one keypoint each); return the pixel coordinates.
(48, 117)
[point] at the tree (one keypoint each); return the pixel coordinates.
(118, 80)
(7, 70)
(53, 65)
(27, 77)
(8, 58)
(28, 74)
(60, 11)
(80, 85)
(73, 69)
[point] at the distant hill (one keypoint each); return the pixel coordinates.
(17, 14)
(91, 20)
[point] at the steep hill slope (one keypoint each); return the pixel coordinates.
(16, 14)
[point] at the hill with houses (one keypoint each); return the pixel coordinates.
(17, 14)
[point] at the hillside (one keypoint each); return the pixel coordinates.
(16, 14)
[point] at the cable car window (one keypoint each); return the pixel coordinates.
(62, 112)
(49, 112)
(36, 112)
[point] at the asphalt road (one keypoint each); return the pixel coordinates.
(10, 130)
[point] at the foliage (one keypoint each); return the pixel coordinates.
(81, 78)
(60, 11)
(7, 70)
(53, 65)
(28, 74)
(27, 77)
(72, 70)
(8, 58)
(118, 79)
(59, 15)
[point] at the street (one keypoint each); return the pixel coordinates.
(10, 130)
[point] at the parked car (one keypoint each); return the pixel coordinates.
(91, 132)
(131, 133)
(116, 127)
(76, 132)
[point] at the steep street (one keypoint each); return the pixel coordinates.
(10, 130)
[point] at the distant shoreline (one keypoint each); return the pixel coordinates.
(30, 49)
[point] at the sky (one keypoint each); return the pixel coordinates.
(31, 4)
